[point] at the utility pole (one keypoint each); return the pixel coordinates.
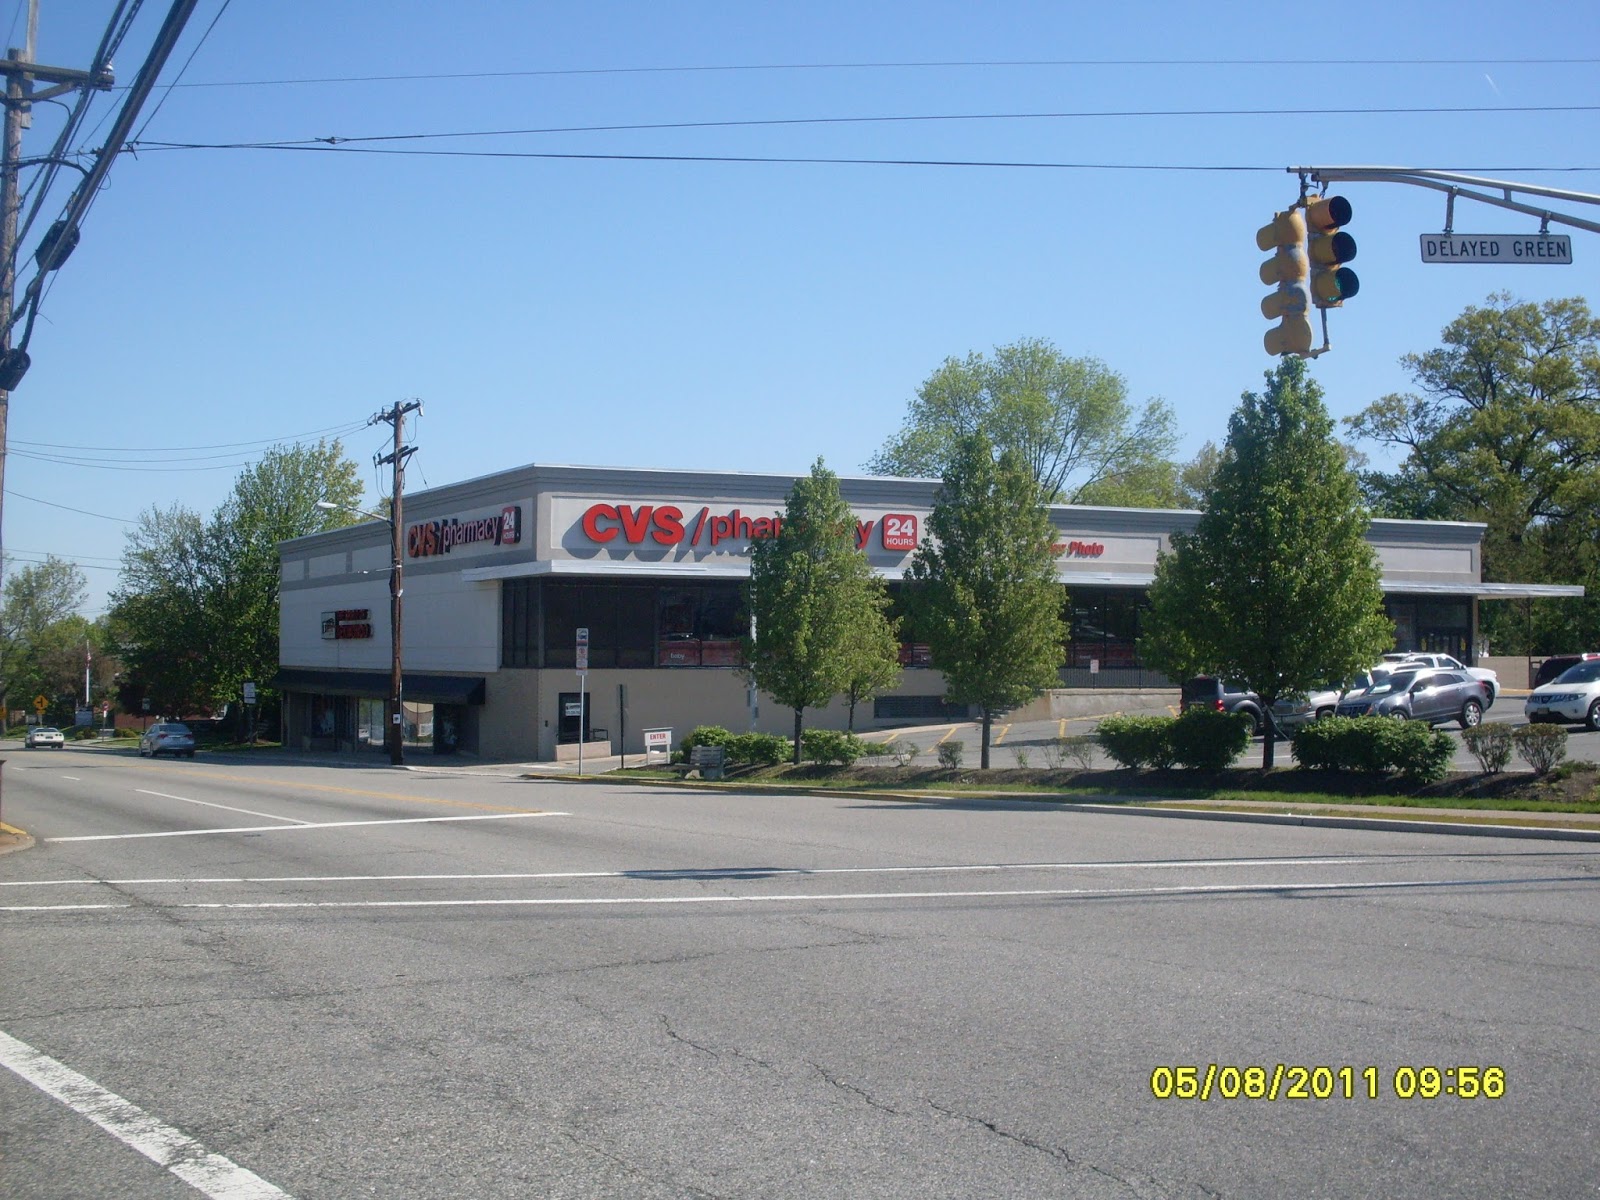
(395, 736)
(21, 71)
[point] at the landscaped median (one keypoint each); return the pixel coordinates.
(1569, 790)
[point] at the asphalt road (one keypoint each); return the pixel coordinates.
(318, 982)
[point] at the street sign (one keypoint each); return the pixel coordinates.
(583, 657)
(1544, 249)
(249, 693)
(40, 703)
(583, 635)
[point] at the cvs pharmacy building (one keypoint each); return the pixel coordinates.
(502, 573)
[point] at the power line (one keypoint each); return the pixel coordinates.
(68, 508)
(98, 465)
(337, 431)
(779, 159)
(906, 66)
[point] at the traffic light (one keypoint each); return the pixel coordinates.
(1285, 236)
(1329, 248)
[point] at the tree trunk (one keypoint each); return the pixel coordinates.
(988, 721)
(797, 738)
(1269, 737)
(850, 723)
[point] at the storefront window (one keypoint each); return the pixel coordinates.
(631, 625)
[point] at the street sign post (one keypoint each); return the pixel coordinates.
(583, 676)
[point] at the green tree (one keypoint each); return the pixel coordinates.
(43, 636)
(1277, 587)
(982, 586)
(819, 611)
(1506, 430)
(196, 610)
(1068, 420)
(874, 660)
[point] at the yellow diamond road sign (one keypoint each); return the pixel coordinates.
(40, 703)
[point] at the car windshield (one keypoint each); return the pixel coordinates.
(1398, 682)
(1584, 672)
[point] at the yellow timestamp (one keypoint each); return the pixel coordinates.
(1283, 1081)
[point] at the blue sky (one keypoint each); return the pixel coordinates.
(736, 315)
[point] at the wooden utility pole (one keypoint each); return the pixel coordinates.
(395, 735)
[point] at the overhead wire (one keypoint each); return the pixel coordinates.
(556, 72)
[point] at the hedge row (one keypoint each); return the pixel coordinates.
(833, 746)
(1375, 746)
(1201, 737)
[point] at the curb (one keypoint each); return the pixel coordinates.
(1463, 827)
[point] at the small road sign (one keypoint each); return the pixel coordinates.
(40, 703)
(1544, 249)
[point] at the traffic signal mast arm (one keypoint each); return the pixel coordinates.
(1462, 185)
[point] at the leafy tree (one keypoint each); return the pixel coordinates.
(1506, 430)
(874, 663)
(196, 611)
(43, 636)
(273, 500)
(1067, 419)
(819, 610)
(1277, 587)
(982, 586)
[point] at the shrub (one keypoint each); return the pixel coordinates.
(760, 749)
(1021, 753)
(951, 754)
(1207, 739)
(704, 735)
(1137, 741)
(836, 747)
(1490, 745)
(1540, 746)
(905, 752)
(1375, 746)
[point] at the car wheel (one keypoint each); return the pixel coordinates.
(1593, 719)
(1471, 715)
(1254, 718)
(1323, 714)
(1399, 714)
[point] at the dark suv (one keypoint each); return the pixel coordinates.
(1207, 691)
(1555, 666)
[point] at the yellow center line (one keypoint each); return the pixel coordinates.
(1004, 729)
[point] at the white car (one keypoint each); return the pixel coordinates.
(1445, 663)
(45, 735)
(1573, 699)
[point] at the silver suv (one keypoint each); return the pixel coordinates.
(1421, 695)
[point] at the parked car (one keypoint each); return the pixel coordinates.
(1289, 715)
(44, 735)
(1557, 665)
(172, 738)
(1421, 695)
(1445, 663)
(1572, 698)
(1207, 691)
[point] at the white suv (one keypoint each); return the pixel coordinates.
(1574, 697)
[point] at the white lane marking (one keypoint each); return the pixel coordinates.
(163, 1145)
(249, 812)
(1218, 889)
(74, 778)
(121, 837)
(674, 874)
